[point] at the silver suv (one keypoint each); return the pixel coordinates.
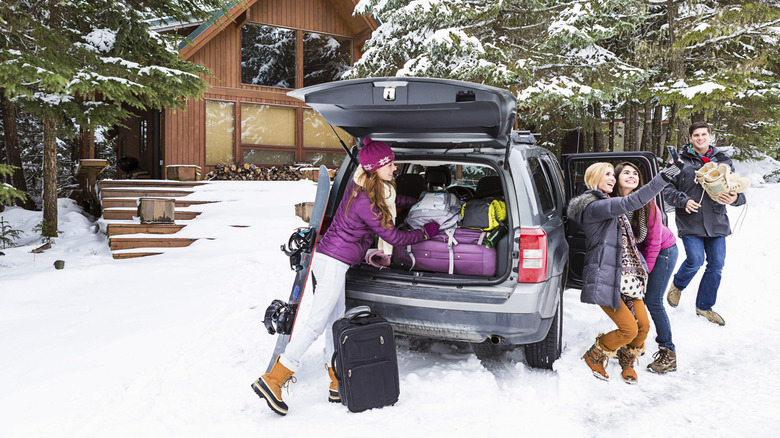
(462, 133)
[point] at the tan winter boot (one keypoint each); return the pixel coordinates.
(712, 316)
(664, 361)
(673, 296)
(333, 389)
(626, 357)
(597, 358)
(269, 386)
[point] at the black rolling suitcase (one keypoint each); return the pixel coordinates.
(364, 360)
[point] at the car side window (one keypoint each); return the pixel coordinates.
(542, 183)
(555, 173)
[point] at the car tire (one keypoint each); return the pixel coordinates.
(542, 354)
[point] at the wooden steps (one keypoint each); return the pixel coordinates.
(118, 229)
(126, 214)
(127, 237)
(118, 242)
(127, 192)
(132, 202)
(132, 255)
(114, 183)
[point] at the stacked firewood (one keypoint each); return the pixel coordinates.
(250, 172)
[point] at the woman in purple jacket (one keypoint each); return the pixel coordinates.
(658, 246)
(366, 211)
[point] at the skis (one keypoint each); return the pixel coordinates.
(280, 316)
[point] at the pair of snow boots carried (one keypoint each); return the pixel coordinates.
(716, 178)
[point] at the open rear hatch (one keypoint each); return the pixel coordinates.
(431, 113)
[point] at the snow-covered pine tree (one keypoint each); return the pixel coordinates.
(558, 57)
(436, 38)
(88, 63)
(572, 63)
(718, 61)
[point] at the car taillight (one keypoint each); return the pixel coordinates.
(533, 256)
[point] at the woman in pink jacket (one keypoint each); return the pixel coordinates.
(658, 246)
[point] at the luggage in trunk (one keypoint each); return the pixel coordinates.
(364, 360)
(453, 251)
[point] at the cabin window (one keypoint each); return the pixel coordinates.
(255, 156)
(317, 133)
(267, 125)
(268, 56)
(330, 159)
(325, 57)
(220, 132)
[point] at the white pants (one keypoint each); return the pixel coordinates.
(327, 307)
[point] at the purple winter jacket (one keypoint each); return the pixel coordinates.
(349, 237)
(658, 237)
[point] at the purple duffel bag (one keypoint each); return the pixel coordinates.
(454, 251)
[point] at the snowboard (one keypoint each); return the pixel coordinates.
(280, 316)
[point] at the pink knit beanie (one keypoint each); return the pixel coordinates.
(375, 154)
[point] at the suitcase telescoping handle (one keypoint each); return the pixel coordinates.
(333, 366)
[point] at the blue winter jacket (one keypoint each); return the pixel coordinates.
(352, 233)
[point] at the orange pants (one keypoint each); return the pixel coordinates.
(631, 331)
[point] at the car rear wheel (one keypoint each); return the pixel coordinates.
(542, 354)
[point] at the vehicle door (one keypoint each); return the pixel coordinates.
(574, 166)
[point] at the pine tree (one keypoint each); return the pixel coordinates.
(90, 63)
(717, 60)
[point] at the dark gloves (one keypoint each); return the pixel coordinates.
(671, 170)
(430, 229)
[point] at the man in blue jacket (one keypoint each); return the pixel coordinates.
(702, 223)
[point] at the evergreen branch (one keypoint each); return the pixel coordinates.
(739, 33)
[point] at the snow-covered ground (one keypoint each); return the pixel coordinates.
(169, 345)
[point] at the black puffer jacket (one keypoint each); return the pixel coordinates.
(711, 220)
(597, 215)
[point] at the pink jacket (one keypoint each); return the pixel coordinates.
(658, 237)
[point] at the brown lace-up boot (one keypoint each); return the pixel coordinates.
(626, 358)
(597, 358)
(665, 361)
(333, 390)
(269, 386)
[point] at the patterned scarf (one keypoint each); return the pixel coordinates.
(642, 224)
(631, 263)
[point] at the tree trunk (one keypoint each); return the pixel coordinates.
(657, 125)
(12, 150)
(682, 130)
(630, 129)
(49, 176)
(611, 133)
(598, 138)
(670, 137)
(587, 139)
(647, 126)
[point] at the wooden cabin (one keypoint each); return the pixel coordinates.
(269, 48)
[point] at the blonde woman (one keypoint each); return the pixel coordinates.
(615, 274)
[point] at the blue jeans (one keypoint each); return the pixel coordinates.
(654, 295)
(696, 247)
